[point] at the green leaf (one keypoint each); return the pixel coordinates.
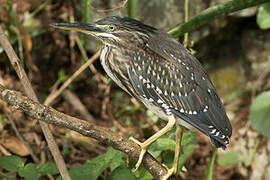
(11, 163)
(116, 158)
(143, 174)
(29, 171)
(230, 158)
(260, 113)
(48, 168)
(84, 172)
(168, 157)
(263, 16)
(188, 143)
(91, 170)
(122, 173)
(62, 77)
(11, 178)
(160, 145)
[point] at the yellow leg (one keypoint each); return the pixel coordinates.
(173, 170)
(148, 142)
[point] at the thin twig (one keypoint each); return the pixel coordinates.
(13, 125)
(54, 95)
(112, 9)
(254, 150)
(40, 8)
(4, 151)
(106, 101)
(72, 37)
(98, 77)
(30, 93)
(83, 53)
(78, 105)
(102, 134)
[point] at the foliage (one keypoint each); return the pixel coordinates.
(112, 164)
(62, 77)
(263, 16)
(47, 168)
(28, 171)
(230, 158)
(112, 160)
(121, 173)
(11, 163)
(167, 142)
(260, 113)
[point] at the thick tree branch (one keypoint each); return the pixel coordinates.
(213, 13)
(104, 135)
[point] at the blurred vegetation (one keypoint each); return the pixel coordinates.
(260, 113)
(226, 47)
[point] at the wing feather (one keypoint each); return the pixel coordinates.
(176, 82)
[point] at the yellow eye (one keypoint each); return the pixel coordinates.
(111, 27)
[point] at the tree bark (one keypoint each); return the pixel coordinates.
(102, 134)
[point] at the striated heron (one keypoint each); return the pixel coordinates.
(157, 70)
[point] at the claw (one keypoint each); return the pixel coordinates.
(135, 140)
(152, 139)
(142, 153)
(169, 174)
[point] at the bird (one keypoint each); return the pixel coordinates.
(159, 71)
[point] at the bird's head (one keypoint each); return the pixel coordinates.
(112, 30)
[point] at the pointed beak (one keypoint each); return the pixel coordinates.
(79, 27)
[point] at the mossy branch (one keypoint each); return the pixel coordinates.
(214, 13)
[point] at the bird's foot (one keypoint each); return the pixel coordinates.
(144, 147)
(170, 172)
